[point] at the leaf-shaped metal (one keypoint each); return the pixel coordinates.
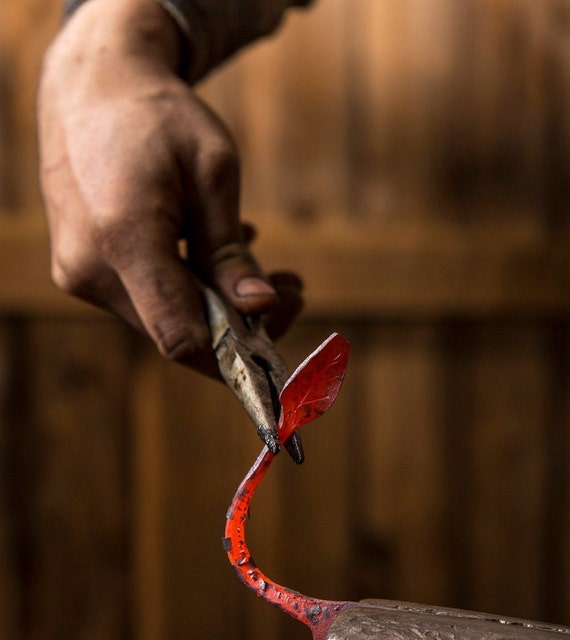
(309, 392)
(314, 385)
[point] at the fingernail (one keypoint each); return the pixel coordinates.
(254, 287)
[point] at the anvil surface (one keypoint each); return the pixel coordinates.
(385, 619)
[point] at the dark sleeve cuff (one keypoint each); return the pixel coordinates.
(216, 29)
(70, 6)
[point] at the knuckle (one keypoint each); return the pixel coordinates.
(230, 254)
(63, 279)
(115, 236)
(70, 278)
(179, 349)
(183, 346)
(220, 166)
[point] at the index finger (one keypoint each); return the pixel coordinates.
(163, 291)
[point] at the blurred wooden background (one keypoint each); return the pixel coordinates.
(411, 159)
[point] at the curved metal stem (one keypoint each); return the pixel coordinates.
(317, 614)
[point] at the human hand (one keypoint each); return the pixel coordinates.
(132, 161)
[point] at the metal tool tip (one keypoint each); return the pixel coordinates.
(269, 438)
(295, 449)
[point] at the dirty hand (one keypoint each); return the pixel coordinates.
(131, 161)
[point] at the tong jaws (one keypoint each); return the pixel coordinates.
(251, 368)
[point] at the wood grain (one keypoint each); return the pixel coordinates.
(72, 456)
(10, 578)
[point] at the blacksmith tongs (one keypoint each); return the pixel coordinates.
(252, 369)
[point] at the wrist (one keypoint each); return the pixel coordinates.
(129, 29)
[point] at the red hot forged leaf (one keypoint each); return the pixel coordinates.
(309, 392)
(314, 385)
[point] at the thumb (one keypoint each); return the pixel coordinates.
(233, 270)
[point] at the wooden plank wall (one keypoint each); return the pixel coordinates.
(411, 160)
